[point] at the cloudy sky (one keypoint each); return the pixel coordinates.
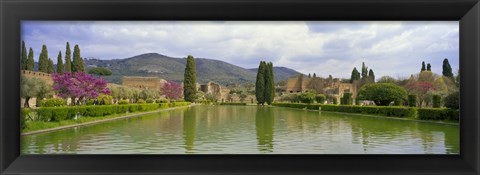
(322, 47)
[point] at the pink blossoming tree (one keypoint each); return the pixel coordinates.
(79, 85)
(172, 90)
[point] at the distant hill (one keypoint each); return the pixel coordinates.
(170, 68)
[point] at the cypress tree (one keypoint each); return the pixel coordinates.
(355, 75)
(30, 62)
(309, 75)
(68, 59)
(364, 71)
(429, 67)
(189, 80)
(60, 63)
(447, 69)
(314, 75)
(43, 60)
(269, 84)
(260, 83)
(77, 65)
(423, 66)
(273, 82)
(23, 63)
(50, 67)
(371, 76)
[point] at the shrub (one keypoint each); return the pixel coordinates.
(162, 105)
(161, 100)
(437, 100)
(104, 99)
(175, 104)
(438, 114)
(149, 100)
(320, 98)
(393, 111)
(60, 113)
(122, 102)
(382, 93)
(452, 100)
(24, 113)
(52, 102)
(412, 100)
(334, 101)
(291, 105)
(346, 99)
(44, 114)
(133, 108)
(121, 109)
(141, 101)
(306, 97)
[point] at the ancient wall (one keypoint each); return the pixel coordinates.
(41, 75)
(143, 82)
(331, 87)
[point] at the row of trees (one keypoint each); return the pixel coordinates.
(45, 63)
(265, 85)
(367, 76)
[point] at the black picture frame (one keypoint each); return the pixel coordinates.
(467, 12)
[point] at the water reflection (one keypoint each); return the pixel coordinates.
(189, 129)
(264, 122)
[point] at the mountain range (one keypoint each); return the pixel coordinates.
(170, 68)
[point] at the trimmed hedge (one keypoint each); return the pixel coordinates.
(240, 104)
(69, 112)
(176, 104)
(392, 111)
(52, 102)
(438, 114)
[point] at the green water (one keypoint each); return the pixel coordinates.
(249, 130)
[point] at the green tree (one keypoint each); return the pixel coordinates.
(382, 93)
(60, 66)
(23, 63)
(189, 80)
(306, 97)
(33, 87)
(68, 59)
(437, 101)
(346, 99)
(309, 75)
(355, 75)
(320, 98)
(30, 61)
(429, 67)
(78, 65)
(314, 75)
(50, 67)
(260, 83)
(364, 71)
(269, 84)
(100, 71)
(452, 100)
(43, 60)
(387, 79)
(412, 100)
(423, 66)
(371, 76)
(447, 69)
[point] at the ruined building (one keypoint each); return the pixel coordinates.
(330, 86)
(143, 82)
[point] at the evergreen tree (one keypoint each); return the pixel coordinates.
(189, 80)
(371, 76)
(429, 67)
(309, 75)
(77, 65)
(355, 75)
(60, 63)
(447, 70)
(269, 84)
(423, 66)
(30, 62)
(364, 71)
(23, 63)
(68, 59)
(43, 60)
(50, 67)
(314, 75)
(260, 83)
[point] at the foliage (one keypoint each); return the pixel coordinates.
(412, 100)
(382, 93)
(437, 101)
(24, 113)
(50, 67)
(371, 76)
(334, 101)
(237, 104)
(23, 62)
(79, 85)
(423, 67)
(269, 84)
(68, 59)
(34, 87)
(104, 99)
(290, 98)
(30, 62)
(355, 75)
(438, 114)
(77, 64)
(141, 101)
(172, 90)
(320, 98)
(452, 100)
(447, 69)
(121, 102)
(100, 71)
(364, 71)
(387, 79)
(43, 60)
(429, 67)
(189, 80)
(53, 102)
(346, 99)
(306, 97)
(149, 100)
(60, 66)
(260, 83)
